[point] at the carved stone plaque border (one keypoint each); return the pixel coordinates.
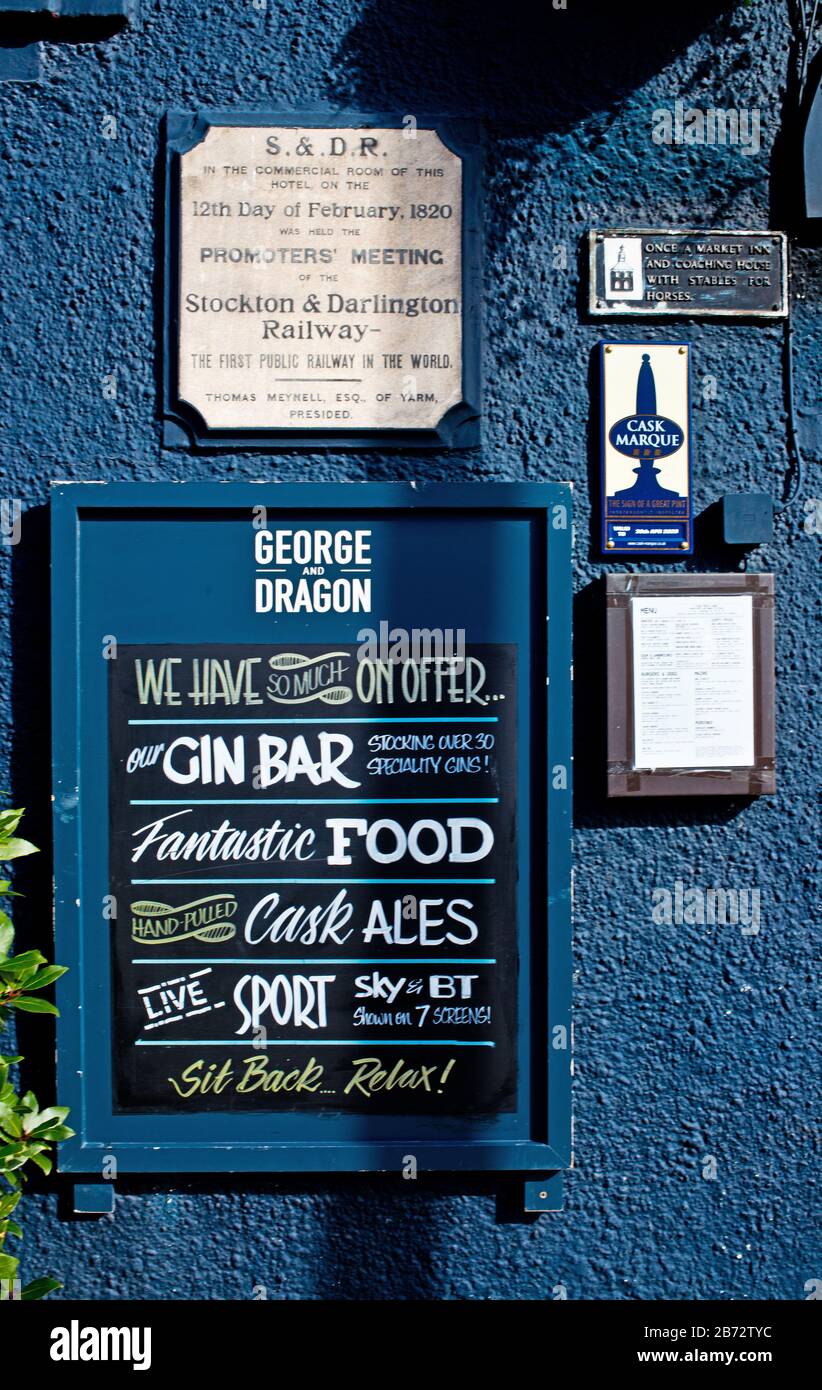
(184, 422)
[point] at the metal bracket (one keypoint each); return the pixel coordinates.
(93, 1199)
(544, 1193)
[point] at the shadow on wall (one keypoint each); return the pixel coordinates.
(514, 64)
(44, 27)
(591, 805)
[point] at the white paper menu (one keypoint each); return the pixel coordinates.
(693, 681)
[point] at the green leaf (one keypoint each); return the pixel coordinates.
(45, 1119)
(12, 1229)
(9, 821)
(11, 975)
(8, 1202)
(53, 1112)
(60, 1132)
(15, 1160)
(10, 1123)
(8, 1266)
(46, 977)
(42, 1161)
(27, 960)
(6, 936)
(38, 1288)
(16, 849)
(34, 1006)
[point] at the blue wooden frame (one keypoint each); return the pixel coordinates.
(184, 427)
(212, 1142)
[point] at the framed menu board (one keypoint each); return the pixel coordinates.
(312, 806)
(691, 684)
(322, 280)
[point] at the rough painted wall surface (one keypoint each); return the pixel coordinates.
(691, 1041)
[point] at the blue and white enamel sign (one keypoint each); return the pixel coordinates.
(646, 447)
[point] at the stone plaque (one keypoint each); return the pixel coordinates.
(688, 274)
(321, 283)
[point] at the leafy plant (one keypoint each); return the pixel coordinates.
(26, 1132)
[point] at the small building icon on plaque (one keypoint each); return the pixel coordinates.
(622, 276)
(622, 268)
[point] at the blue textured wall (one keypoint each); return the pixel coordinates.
(690, 1041)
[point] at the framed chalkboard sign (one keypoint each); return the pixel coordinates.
(312, 803)
(322, 280)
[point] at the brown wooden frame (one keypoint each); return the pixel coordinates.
(626, 780)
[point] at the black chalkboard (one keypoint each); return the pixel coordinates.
(315, 852)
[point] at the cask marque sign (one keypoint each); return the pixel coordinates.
(321, 280)
(309, 872)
